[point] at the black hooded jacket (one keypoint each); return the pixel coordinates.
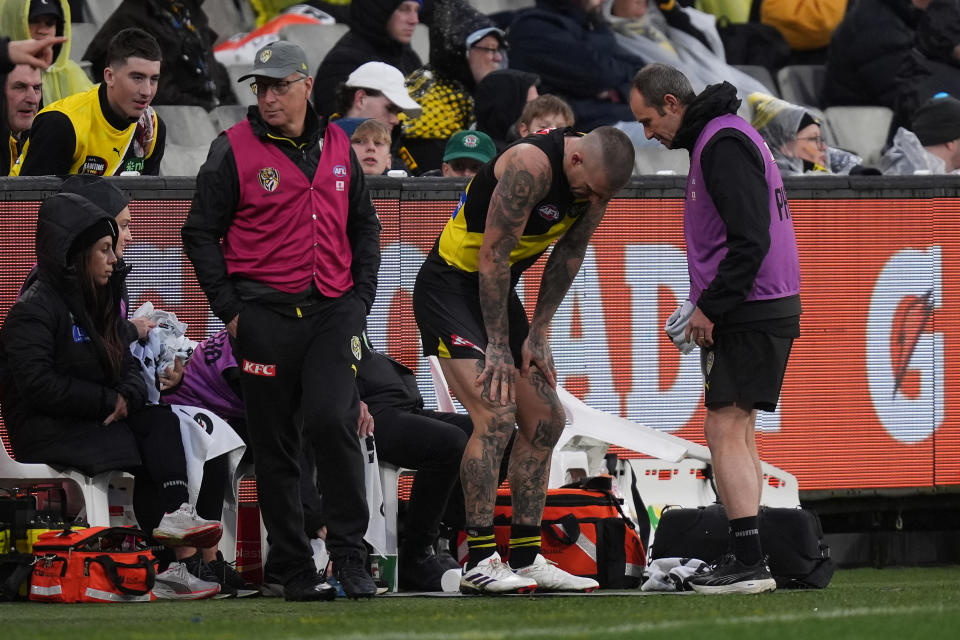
(734, 176)
(367, 41)
(55, 363)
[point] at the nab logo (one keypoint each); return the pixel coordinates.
(549, 212)
(340, 171)
(257, 369)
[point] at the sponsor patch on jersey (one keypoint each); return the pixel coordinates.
(134, 164)
(341, 185)
(355, 346)
(340, 171)
(257, 369)
(94, 165)
(269, 179)
(460, 341)
(549, 212)
(80, 334)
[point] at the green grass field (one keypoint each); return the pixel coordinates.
(862, 603)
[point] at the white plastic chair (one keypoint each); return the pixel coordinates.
(93, 490)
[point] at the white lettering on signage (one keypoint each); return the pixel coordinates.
(901, 343)
(648, 267)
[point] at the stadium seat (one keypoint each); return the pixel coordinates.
(228, 19)
(762, 74)
(81, 35)
(421, 42)
(490, 7)
(650, 160)
(93, 490)
(227, 115)
(187, 126)
(862, 130)
(179, 160)
(97, 11)
(802, 84)
(315, 39)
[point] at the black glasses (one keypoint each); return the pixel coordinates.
(280, 88)
(490, 50)
(817, 140)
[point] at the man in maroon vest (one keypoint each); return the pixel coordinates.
(745, 288)
(286, 245)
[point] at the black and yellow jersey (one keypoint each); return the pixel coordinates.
(550, 218)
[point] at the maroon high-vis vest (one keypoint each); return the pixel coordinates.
(289, 231)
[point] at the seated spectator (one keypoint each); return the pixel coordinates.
(573, 50)
(500, 98)
(546, 112)
(72, 391)
(806, 25)
(371, 142)
(465, 46)
(465, 153)
(933, 145)
(795, 138)
(41, 19)
(894, 53)
(23, 92)
(681, 37)
(375, 90)
(189, 74)
(380, 30)
(109, 129)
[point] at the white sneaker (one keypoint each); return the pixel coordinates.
(176, 583)
(493, 576)
(550, 577)
(184, 527)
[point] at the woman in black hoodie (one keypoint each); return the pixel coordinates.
(72, 391)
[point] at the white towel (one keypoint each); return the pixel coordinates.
(206, 436)
(677, 325)
(670, 574)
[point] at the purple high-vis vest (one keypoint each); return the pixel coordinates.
(203, 384)
(706, 234)
(289, 231)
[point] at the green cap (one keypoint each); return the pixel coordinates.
(470, 144)
(278, 60)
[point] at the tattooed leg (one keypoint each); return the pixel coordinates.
(493, 424)
(541, 420)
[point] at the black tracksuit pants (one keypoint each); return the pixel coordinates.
(292, 362)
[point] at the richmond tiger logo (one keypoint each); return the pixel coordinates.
(269, 179)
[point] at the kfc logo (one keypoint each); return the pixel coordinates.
(257, 369)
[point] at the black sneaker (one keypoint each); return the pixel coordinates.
(729, 575)
(230, 579)
(420, 569)
(353, 577)
(308, 586)
(200, 569)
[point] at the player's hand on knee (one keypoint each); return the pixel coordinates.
(497, 377)
(365, 421)
(536, 351)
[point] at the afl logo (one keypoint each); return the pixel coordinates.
(340, 171)
(269, 179)
(549, 212)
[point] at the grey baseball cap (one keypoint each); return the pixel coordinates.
(278, 60)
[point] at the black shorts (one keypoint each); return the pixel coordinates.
(745, 368)
(446, 305)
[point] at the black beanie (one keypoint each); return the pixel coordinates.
(90, 235)
(807, 120)
(937, 121)
(97, 190)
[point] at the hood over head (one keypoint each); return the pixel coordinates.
(66, 223)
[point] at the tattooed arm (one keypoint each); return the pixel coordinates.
(524, 178)
(561, 268)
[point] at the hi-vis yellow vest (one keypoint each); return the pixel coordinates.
(100, 148)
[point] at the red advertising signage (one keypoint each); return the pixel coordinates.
(869, 400)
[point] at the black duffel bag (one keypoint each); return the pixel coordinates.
(792, 539)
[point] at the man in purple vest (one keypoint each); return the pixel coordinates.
(745, 285)
(286, 245)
